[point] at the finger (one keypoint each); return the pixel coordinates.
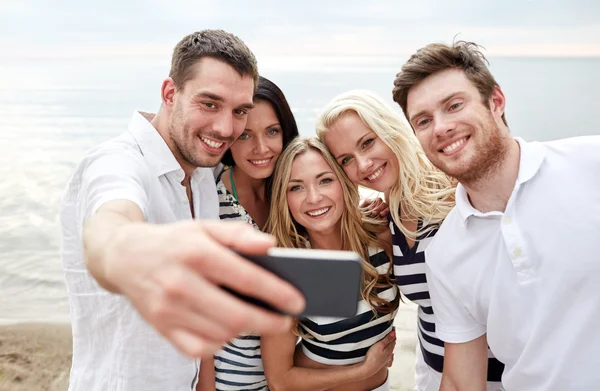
(239, 236)
(176, 314)
(220, 265)
(192, 345)
(210, 302)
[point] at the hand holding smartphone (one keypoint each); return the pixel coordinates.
(328, 279)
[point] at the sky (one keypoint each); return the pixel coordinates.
(305, 33)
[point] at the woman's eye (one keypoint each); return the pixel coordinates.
(346, 160)
(326, 180)
(295, 188)
(273, 131)
(367, 143)
(244, 136)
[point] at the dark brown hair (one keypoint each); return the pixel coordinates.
(217, 44)
(437, 57)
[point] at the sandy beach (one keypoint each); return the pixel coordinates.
(37, 356)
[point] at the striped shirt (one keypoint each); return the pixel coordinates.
(238, 365)
(409, 271)
(345, 341)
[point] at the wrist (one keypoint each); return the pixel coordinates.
(363, 371)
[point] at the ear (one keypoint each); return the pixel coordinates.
(497, 102)
(167, 93)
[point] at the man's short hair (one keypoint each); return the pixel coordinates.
(437, 57)
(217, 44)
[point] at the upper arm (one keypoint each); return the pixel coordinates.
(454, 322)
(111, 176)
(465, 365)
(277, 352)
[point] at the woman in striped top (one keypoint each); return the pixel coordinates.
(314, 205)
(243, 190)
(377, 149)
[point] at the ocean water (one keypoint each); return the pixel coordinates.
(52, 111)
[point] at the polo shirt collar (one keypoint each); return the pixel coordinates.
(531, 158)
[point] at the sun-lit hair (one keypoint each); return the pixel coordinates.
(358, 230)
(424, 192)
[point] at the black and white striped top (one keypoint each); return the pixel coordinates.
(409, 272)
(344, 341)
(238, 365)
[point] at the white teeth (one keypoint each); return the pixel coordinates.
(210, 143)
(376, 174)
(319, 212)
(260, 162)
(454, 145)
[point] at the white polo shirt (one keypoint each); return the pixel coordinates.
(113, 347)
(529, 277)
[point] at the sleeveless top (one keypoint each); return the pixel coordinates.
(238, 365)
(409, 272)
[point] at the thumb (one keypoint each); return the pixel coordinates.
(239, 236)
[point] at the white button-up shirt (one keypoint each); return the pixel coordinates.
(528, 277)
(113, 347)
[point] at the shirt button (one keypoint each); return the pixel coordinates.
(507, 221)
(517, 252)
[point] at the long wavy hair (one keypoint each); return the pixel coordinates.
(422, 190)
(358, 230)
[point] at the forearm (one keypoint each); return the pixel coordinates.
(206, 377)
(312, 379)
(103, 233)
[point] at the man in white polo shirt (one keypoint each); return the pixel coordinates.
(516, 264)
(143, 277)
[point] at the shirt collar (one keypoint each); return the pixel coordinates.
(152, 145)
(531, 158)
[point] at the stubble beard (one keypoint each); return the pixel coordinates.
(182, 138)
(487, 158)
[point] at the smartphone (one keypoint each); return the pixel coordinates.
(329, 280)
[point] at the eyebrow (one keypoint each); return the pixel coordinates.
(357, 144)
(215, 97)
(441, 102)
(318, 176)
(268, 127)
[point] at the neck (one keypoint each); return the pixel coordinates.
(161, 123)
(326, 240)
(492, 192)
(246, 185)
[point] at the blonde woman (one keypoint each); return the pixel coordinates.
(314, 205)
(377, 149)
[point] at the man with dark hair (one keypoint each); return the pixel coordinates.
(516, 264)
(143, 261)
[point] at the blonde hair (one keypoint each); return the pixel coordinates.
(358, 231)
(424, 192)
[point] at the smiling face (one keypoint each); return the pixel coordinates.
(208, 113)
(461, 135)
(257, 149)
(314, 194)
(365, 158)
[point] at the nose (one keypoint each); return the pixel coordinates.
(223, 125)
(314, 195)
(364, 163)
(260, 146)
(442, 125)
